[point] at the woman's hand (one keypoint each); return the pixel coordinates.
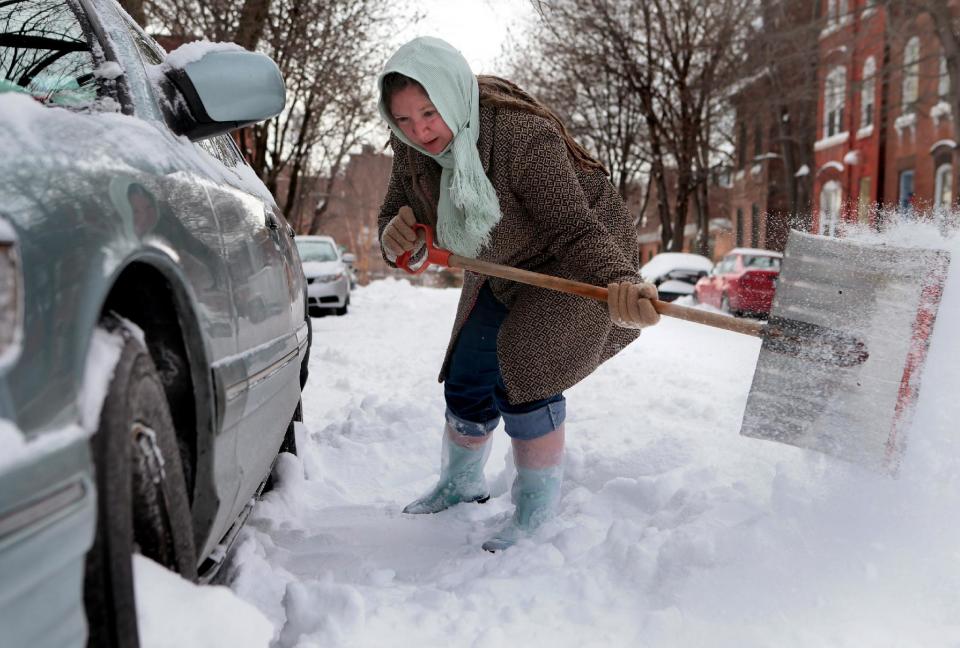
(398, 236)
(630, 305)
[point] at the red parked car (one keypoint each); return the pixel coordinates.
(742, 282)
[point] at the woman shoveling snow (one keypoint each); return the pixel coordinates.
(495, 172)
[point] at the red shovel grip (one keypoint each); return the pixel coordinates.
(433, 256)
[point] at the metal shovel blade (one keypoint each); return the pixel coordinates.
(887, 298)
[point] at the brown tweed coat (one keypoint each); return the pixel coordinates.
(558, 220)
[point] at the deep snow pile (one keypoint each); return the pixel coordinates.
(673, 530)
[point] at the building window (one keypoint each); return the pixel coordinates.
(834, 98)
(830, 199)
(757, 139)
(943, 85)
(754, 226)
(906, 193)
(911, 75)
(868, 92)
(864, 202)
(943, 187)
(742, 146)
(739, 227)
(837, 13)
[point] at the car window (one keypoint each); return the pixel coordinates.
(762, 262)
(316, 251)
(224, 149)
(45, 52)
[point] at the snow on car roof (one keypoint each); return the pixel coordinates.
(667, 261)
(755, 252)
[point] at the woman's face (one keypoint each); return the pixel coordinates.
(419, 120)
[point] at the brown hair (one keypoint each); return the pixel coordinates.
(501, 93)
(394, 82)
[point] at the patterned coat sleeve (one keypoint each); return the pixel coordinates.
(392, 202)
(550, 190)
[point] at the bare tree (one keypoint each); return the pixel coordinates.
(595, 100)
(329, 53)
(674, 59)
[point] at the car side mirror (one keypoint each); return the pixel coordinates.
(214, 91)
(349, 258)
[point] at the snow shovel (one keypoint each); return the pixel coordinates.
(817, 384)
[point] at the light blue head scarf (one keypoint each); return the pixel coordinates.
(468, 207)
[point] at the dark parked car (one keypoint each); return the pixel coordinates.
(153, 325)
(675, 273)
(744, 281)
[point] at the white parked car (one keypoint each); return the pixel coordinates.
(327, 272)
(675, 273)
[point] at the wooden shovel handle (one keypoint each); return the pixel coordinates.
(600, 294)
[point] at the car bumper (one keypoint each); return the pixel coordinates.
(331, 294)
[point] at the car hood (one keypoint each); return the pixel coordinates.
(318, 268)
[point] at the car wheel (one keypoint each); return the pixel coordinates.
(142, 502)
(725, 304)
(343, 309)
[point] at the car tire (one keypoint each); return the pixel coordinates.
(343, 309)
(289, 444)
(142, 501)
(725, 304)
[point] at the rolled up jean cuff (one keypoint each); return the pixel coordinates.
(471, 428)
(531, 425)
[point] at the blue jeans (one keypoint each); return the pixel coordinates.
(474, 390)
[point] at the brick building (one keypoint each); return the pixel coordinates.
(775, 108)
(885, 129)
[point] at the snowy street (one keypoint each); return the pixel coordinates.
(672, 530)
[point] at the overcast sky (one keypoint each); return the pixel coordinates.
(478, 28)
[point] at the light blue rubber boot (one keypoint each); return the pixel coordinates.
(536, 492)
(461, 478)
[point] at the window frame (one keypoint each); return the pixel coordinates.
(905, 203)
(868, 93)
(943, 82)
(910, 81)
(834, 101)
(943, 174)
(833, 190)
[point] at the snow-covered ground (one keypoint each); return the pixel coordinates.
(673, 530)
